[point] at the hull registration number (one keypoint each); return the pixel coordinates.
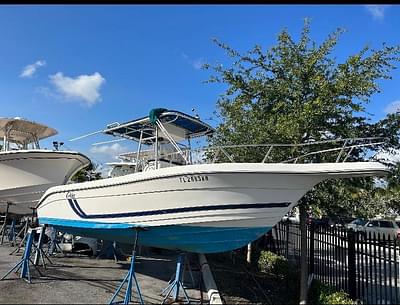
(193, 178)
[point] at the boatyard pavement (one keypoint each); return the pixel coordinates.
(82, 279)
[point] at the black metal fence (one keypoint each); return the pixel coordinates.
(364, 264)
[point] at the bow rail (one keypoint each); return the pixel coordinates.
(345, 150)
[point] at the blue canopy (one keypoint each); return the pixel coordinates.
(179, 125)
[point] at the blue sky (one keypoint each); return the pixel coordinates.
(77, 68)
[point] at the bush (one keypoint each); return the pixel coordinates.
(338, 297)
(325, 295)
(273, 263)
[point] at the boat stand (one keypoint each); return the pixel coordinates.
(174, 285)
(3, 224)
(108, 248)
(39, 252)
(129, 278)
(24, 229)
(23, 232)
(3, 229)
(54, 245)
(11, 233)
(23, 264)
(188, 267)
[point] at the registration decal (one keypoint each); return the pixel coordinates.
(193, 178)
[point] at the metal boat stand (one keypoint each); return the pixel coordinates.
(39, 252)
(23, 264)
(3, 230)
(130, 277)
(107, 248)
(54, 245)
(175, 284)
(11, 233)
(23, 231)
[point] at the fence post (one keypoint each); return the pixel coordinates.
(312, 231)
(352, 264)
(270, 241)
(248, 257)
(303, 255)
(277, 237)
(287, 238)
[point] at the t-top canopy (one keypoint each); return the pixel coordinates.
(180, 126)
(18, 130)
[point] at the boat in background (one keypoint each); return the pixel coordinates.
(128, 162)
(184, 199)
(120, 168)
(26, 170)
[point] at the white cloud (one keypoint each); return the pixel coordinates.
(29, 70)
(195, 63)
(83, 87)
(184, 55)
(377, 11)
(390, 156)
(47, 92)
(393, 107)
(198, 63)
(112, 150)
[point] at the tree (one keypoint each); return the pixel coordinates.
(297, 92)
(87, 174)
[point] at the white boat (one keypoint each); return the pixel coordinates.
(26, 171)
(126, 165)
(201, 208)
(120, 168)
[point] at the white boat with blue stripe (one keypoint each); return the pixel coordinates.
(181, 202)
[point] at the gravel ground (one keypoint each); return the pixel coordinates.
(81, 279)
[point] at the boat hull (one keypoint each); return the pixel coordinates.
(200, 239)
(195, 208)
(27, 174)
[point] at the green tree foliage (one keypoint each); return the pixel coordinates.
(273, 263)
(321, 293)
(296, 92)
(87, 174)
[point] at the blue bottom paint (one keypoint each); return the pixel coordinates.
(176, 237)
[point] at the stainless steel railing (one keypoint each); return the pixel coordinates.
(343, 151)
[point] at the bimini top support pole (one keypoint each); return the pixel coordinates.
(165, 132)
(138, 151)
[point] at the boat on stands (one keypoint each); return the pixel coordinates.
(189, 199)
(26, 170)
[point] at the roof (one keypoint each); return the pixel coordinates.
(24, 131)
(179, 125)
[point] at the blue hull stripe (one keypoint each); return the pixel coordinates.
(74, 208)
(78, 210)
(176, 237)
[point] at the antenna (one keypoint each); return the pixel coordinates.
(111, 141)
(196, 115)
(86, 135)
